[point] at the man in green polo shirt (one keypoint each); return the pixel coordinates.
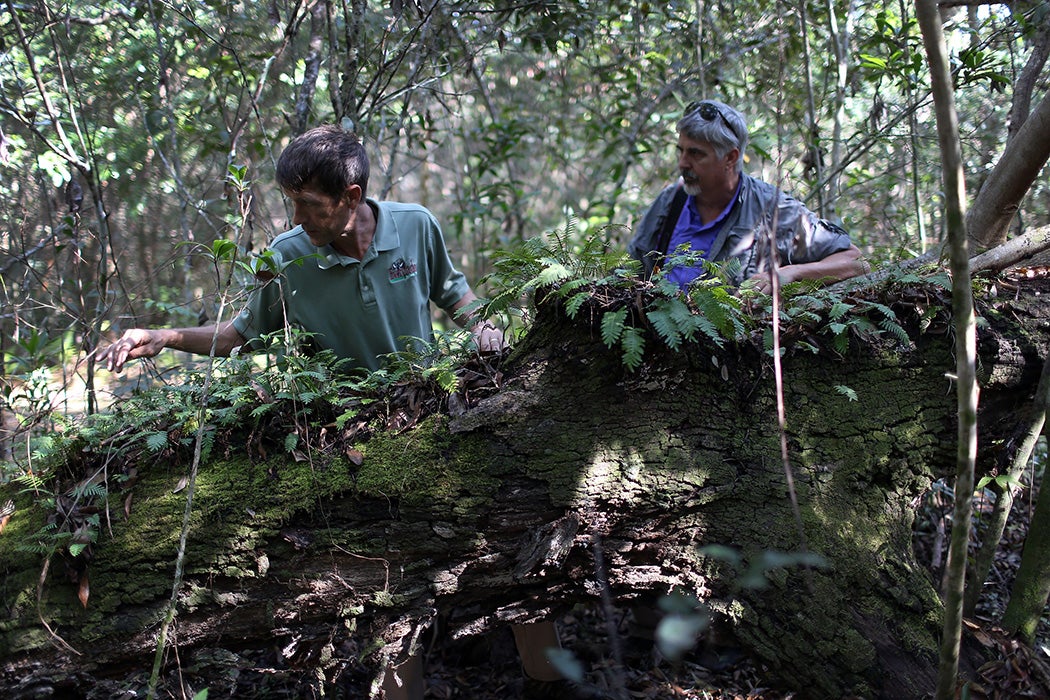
(369, 273)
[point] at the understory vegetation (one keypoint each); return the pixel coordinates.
(287, 400)
(138, 143)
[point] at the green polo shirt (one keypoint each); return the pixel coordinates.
(360, 309)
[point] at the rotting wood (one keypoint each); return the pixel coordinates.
(503, 501)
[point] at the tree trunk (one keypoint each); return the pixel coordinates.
(1031, 588)
(1004, 487)
(299, 572)
(997, 203)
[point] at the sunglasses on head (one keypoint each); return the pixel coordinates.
(708, 112)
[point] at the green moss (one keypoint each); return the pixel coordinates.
(427, 468)
(238, 504)
(383, 599)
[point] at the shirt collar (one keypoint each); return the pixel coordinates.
(386, 238)
(690, 204)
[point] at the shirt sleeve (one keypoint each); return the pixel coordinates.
(447, 284)
(263, 313)
(642, 246)
(803, 237)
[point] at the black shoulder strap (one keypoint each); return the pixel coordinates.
(673, 212)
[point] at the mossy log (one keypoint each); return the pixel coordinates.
(309, 571)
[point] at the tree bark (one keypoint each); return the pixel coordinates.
(997, 203)
(1031, 588)
(306, 573)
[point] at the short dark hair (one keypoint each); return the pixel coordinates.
(327, 157)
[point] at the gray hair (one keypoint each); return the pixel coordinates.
(724, 127)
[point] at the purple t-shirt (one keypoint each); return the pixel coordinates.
(690, 229)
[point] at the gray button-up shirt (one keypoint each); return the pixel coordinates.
(802, 236)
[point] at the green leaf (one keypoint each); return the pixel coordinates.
(1007, 481)
(869, 61)
(612, 326)
(566, 663)
(666, 327)
(846, 391)
(291, 441)
(838, 310)
(222, 249)
(261, 410)
(633, 343)
(157, 441)
(676, 634)
(721, 552)
(237, 175)
(573, 305)
(553, 273)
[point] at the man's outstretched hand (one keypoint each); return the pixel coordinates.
(135, 343)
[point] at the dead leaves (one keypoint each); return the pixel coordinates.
(1031, 273)
(1016, 672)
(83, 589)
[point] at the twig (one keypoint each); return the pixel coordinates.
(55, 637)
(619, 681)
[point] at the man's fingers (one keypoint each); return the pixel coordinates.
(117, 354)
(115, 362)
(490, 339)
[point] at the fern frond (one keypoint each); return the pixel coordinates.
(89, 490)
(207, 443)
(612, 326)
(722, 311)
(555, 271)
(846, 391)
(896, 330)
(666, 327)
(157, 440)
(839, 309)
(261, 410)
(574, 285)
(633, 344)
(710, 330)
(840, 339)
(573, 305)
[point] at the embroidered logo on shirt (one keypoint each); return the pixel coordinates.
(401, 271)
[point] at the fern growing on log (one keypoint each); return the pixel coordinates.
(592, 274)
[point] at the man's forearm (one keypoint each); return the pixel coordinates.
(459, 314)
(835, 267)
(200, 339)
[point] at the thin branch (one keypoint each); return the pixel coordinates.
(965, 331)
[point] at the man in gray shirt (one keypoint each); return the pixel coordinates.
(719, 212)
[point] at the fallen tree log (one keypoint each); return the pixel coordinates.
(310, 571)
